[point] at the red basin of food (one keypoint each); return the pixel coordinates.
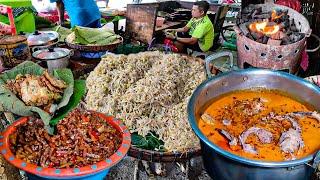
(72, 173)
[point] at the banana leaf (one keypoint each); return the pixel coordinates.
(79, 92)
(63, 32)
(12, 103)
(97, 36)
(150, 142)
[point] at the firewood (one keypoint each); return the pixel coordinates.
(256, 11)
(257, 35)
(282, 25)
(285, 40)
(296, 36)
(275, 36)
(288, 32)
(265, 39)
(262, 16)
(273, 42)
(244, 28)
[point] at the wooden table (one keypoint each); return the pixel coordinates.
(168, 25)
(109, 17)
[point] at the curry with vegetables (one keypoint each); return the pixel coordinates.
(262, 124)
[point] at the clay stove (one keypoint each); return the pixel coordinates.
(271, 36)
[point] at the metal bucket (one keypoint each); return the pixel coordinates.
(221, 164)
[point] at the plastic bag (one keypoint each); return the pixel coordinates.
(43, 5)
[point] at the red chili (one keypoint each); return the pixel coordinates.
(51, 165)
(85, 118)
(94, 135)
(73, 159)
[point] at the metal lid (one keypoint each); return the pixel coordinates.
(42, 38)
(51, 53)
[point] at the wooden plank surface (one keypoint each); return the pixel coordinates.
(141, 19)
(167, 25)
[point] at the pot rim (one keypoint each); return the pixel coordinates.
(202, 137)
(67, 172)
(51, 42)
(66, 57)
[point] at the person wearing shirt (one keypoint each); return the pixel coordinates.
(81, 12)
(198, 34)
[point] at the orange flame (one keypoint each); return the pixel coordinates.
(274, 15)
(263, 27)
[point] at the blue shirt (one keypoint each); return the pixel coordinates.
(81, 12)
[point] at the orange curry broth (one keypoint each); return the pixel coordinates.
(277, 102)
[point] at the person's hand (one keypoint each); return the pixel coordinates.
(59, 22)
(168, 30)
(170, 36)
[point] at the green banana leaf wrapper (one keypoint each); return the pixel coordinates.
(12, 103)
(63, 32)
(94, 36)
(79, 92)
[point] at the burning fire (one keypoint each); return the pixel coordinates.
(265, 27)
(274, 15)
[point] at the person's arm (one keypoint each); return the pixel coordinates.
(190, 41)
(183, 29)
(60, 8)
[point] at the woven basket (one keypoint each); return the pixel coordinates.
(154, 156)
(92, 48)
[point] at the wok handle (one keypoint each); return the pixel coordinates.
(318, 47)
(215, 56)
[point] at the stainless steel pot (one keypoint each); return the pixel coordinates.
(42, 39)
(221, 164)
(56, 58)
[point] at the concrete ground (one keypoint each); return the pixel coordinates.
(125, 170)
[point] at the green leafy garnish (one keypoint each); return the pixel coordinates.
(150, 142)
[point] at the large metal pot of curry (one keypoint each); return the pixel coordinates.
(257, 124)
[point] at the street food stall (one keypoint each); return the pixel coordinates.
(117, 103)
